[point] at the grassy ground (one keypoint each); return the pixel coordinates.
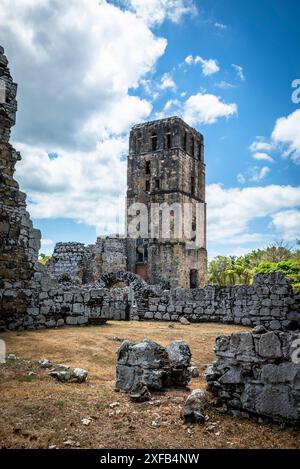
(38, 412)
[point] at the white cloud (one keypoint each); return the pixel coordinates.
(79, 185)
(262, 157)
(155, 12)
(172, 104)
(209, 66)
(260, 144)
(241, 178)
(287, 224)
(287, 133)
(46, 242)
(83, 61)
(224, 85)
(258, 174)
(239, 71)
(167, 82)
(206, 109)
(189, 60)
(220, 25)
(232, 211)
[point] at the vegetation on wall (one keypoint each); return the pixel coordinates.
(232, 270)
(43, 258)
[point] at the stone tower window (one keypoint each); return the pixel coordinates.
(192, 185)
(192, 146)
(138, 143)
(157, 183)
(168, 140)
(154, 141)
(148, 167)
(199, 150)
(194, 278)
(184, 141)
(147, 186)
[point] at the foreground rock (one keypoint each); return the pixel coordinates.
(149, 364)
(140, 395)
(45, 363)
(65, 374)
(193, 410)
(258, 373)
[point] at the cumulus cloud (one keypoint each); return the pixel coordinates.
(167, 82)
(258, 174)
(85, 186)
(262, 157)
(287, 133)
(209, 66)
(206, 109)
(232, 211)
(74, 60)
(260, 144)
(287, 223)
(239, 71)
(155, 12)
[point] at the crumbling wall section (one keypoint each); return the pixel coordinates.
(257, 373)
(19, 241)
(84, 265)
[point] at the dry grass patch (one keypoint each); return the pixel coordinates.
(38, 412)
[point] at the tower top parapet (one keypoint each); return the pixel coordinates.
(166, 134)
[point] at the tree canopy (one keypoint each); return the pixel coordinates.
(232, 270)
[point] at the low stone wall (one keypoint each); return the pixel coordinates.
(54, 305)
(258, 373)
(270, 301)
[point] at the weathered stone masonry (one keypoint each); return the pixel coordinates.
(257, 374)
(19, 242)
(270, 301)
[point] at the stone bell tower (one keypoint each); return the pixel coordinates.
(166, 174)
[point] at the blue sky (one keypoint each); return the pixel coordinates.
(89, 70)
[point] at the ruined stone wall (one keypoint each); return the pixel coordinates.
(269, 301)
(66, 261)
(86, 264)
(19, 241)
(257, 374)
(55, 305)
